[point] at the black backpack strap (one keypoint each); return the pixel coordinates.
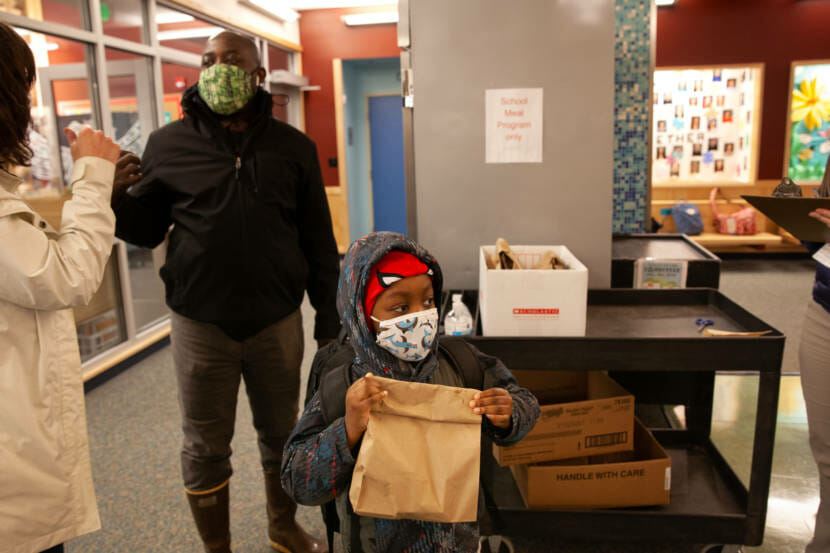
(464, 360)
(329, 532)
(333, 387)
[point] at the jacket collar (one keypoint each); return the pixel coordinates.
(8, 181)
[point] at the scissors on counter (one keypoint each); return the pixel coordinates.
(703, 323)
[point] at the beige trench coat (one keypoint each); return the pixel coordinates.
(46, 491)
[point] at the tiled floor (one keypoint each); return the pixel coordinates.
(794, 490)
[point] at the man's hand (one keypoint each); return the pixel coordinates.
(322, 342)
(822, 215)
(360, 397)
(89, 142)
(127, 171)
(496, 404)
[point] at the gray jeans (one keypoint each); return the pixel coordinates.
(209, 366)
(814, 360)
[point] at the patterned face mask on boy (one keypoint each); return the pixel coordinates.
(225, 88)
(410, 336)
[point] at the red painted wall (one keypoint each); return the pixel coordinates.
(325, 37)
(773, 32)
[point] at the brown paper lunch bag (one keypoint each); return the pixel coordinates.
(420, 455)
(504, 257)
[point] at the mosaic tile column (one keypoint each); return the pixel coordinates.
(632, 69)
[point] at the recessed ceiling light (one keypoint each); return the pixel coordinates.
(189, 33)
(274, 8)
(172, 17)
(370, 18)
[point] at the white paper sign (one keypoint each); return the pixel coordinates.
(513, 132)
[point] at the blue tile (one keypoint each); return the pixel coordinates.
(631, 101)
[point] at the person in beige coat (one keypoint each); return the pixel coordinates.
(46, 491)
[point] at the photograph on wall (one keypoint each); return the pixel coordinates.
(711, 119)
(809, 143)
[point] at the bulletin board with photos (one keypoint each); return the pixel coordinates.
(808, 130)
(706, 123)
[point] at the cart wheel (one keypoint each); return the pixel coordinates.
(495, 544)
(722, 548)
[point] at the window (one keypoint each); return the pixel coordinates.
(182, 31)
(124, 19)
(60, 98)
(100, 324)
(131, 99)
(133, 119)
(175, 80)
(278, 58)
(65, 12)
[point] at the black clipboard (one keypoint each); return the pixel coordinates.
(794, 215)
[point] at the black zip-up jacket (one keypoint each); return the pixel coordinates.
(251, 224)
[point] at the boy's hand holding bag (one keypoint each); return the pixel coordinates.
(420, 455)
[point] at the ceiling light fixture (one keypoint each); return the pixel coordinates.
(664, 2)
(189, 33)
(328, 4)
(172, 17)
(370, 18)
(273, 8)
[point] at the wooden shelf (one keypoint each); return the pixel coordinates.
(770, 237)
(712, 240)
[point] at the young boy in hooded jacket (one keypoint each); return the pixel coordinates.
(387, 278)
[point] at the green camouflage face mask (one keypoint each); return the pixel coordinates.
(225, 88)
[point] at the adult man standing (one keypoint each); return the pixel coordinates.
(251, 233)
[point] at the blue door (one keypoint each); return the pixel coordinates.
(388, 181)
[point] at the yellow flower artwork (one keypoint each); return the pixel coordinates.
(810, 104)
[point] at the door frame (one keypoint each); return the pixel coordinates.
(338, 196)
(371, 182)
(138, 68)
(147, 113)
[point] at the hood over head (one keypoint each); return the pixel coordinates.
(362, 256)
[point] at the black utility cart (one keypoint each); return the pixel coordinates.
(648, 341)
(703, 266)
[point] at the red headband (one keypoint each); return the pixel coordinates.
(394, 266)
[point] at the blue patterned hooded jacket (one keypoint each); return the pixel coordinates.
(317, 463)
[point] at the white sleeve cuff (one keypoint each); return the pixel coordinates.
(93, 169)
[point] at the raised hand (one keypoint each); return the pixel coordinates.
(89, 142)
(127, 170)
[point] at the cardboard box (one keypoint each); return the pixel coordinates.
(532, 302)
(643, 481)
(583, 413)
(99, 333)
